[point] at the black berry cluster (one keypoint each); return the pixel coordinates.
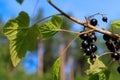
(113, 44)
(87, 44)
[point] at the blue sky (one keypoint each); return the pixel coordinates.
(78, 9)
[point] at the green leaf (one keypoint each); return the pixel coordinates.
(116, 24)
(115, 27)
(20, 1)
(102, 75)
(56, 69)
(57, 21)
(21, 36)
(97, 71)
(23, 19)
(51, 27)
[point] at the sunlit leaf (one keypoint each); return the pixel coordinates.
(21, 36)
(57, 21)
(97, 71)
(115, 27)
(116, 24)
(51, 27)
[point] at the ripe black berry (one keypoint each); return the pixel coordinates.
(110, 46)
(115, 56)
(93, 22)
(118, 69)
(92, 57)
(93, 47)
(92, 38)
(84, 36)
(104, 19)
(91, 33)
(85, 44)
(117, 44)
(114, 38)
(106, 37)
(88, 51)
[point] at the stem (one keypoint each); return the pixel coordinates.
(40, 20)
(95, 15)
(63, 30)
(106, 53)
(80, 33)
(87, 24)
(35, 8)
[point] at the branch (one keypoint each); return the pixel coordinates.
(87, 24)
(66, 15)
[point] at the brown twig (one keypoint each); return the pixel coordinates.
(96, 14)
(40, 20)
(66, 15)
(106, 53)
(87, 24)
(69, 31)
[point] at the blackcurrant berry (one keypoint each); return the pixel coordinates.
(88, 51)
(106, 37)
(92, 57)
(115, 56)
(84, 36)
(93, 22)
(110, 46)
(93, 47)
(117, 42)
(92, 38)
(114, 38)
(104, 19)
(117, 45)
(118, 69)
(85, 44)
